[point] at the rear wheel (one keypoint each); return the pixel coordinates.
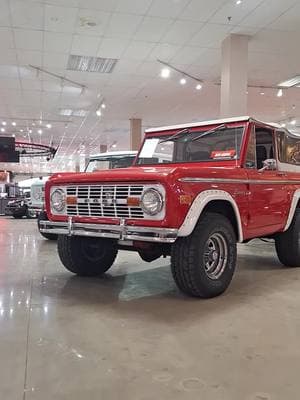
(203, 263)
(43, 217)
(86, 256)
(287, 243)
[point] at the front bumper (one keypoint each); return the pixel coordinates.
(119, 232)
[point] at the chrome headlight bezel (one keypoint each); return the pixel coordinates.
(159, 201)
(58, 205)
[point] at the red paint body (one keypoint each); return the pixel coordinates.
(263, 208)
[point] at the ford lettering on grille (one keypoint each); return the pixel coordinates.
(104, 201)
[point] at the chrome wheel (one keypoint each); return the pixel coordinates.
(215, 256)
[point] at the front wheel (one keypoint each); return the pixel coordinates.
(86, 256)
(287, 243)
(203, 263)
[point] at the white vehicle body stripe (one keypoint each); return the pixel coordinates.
(198, 205)
(296, 197)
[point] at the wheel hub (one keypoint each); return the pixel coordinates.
(215, 255)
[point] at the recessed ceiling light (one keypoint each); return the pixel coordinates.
(280, 93)
(33, 124)
(21, 130)
(4, 123)
(103, 105)
(91, 64)
(49, 126)
(40, 131)
(238, 2)
(13, 124)
(182, 81)
(290, 82)
(2, 130)
(98, 112)
(165, 73)
(199, 86)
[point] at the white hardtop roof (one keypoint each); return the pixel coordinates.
(115, 153)
(33, 181)
(204, 123)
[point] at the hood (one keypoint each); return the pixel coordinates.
(158, 173)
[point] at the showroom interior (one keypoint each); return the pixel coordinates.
(121, 277)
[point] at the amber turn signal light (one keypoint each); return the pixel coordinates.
(185, 199)
(133, 201)
(71, 200)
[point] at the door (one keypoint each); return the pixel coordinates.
(268, 197)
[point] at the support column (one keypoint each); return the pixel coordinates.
(135, 133)
(234, 79)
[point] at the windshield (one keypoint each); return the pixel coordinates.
(215, 145)
(109, 162)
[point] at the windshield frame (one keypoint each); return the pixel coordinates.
(110, 159)
(165, 134)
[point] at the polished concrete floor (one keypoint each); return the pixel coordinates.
(131, 335)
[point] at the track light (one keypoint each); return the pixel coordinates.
(182, 81)
(98, 112)
(199, 86)
(280, 93)
(103, 105)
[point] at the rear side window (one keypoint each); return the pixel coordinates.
(288, 148)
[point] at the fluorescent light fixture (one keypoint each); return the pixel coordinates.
(182, 81)
(68, 112)
(165, 73)
(262, 93)
(91, 64)
(280, 93)
(295, 81)
(198, 86)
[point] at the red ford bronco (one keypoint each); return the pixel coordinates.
(194, 191)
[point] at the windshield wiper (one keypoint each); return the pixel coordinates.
(175, 135)
(218, 128)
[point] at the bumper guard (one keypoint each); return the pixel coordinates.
(119, 232)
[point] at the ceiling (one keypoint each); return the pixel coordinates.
(185, 33)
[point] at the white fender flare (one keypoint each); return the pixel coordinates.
(296, 198)
(198, 205)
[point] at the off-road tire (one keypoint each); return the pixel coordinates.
(43, 217)
(287, 243)
(72, 251)
(188, 257)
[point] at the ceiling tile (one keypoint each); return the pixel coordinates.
(9, 71)
(181, 32)
(5, 13)
(28, 40)
(26, 57)
(85, 45)
(60, 19)
(26, 14)
(152, 29)
(187, 55)
(33, 84)
(66, 3)
(55, 60)
(103, 5)
(289, 21)
(125, 67)
(57, 42)
(268, 12)
(133, 7)
(9, 83)
(112, 48)
(92, 22)
(164, 52)
(6, 38)
(167, 8)
(211, 35)
(123, 25)
(201, 10)
(8, 57)
(138, 50)
(234, 11)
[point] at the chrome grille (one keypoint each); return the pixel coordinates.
(104, 201)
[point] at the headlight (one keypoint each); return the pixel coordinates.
(58, 200)
(151, 201)
(37, 195)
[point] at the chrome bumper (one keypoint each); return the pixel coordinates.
(119, 232)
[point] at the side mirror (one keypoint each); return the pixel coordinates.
(269, 165)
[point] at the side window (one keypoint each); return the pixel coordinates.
(264, 146)
(250, 161)
(288, 148)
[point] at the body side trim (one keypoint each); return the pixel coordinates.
(198, 205)
(243, 181)
(296, 198)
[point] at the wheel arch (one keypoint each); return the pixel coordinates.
(214, 201)
(295, 204)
